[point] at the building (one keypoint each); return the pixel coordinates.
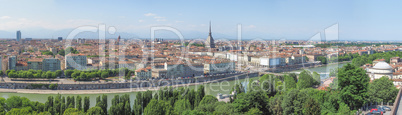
(379, 70)
(60, 38)
(143, 73)
(12, 61)
(210, 41)
(53, 50)
(217, 67)
(35, 64)
(18, 35)
(50, 64)
(28, 39)
(76, 61)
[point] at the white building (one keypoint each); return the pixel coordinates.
(379, 70)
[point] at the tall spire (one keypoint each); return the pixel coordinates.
(209, 27)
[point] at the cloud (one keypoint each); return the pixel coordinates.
(5, 17)
(140, 20)
(161, 20)
(158, 17)
(150, 14)
(251, 26)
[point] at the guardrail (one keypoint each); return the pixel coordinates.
(396, 102)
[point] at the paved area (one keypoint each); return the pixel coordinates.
(375, 106)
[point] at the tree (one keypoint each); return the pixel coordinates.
(311, 107)
(225, 109)
(154, 108)
(208, 99)
(79, 103)
(102, 103)
(316, 78)
(57, 104)
(275, 104)
(253, 111)
(95, 111)
(287, 103)
(305, 80)
(353, 83)
(86, 103)
(344, 109)
(199, 95)
(73, 111)
(181, 105)
(382, 90)
(290, 83)
(257, 99)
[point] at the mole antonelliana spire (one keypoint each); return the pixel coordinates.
(210, 40)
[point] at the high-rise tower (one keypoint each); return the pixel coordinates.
(18, 35)
(210, 41)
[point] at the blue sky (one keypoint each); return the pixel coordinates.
(357, 20)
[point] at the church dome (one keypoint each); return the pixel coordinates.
(382, 65)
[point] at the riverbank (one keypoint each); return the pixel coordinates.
(126, 90)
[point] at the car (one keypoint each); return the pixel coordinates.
(386, 108)
(381, 109)
(374, 113)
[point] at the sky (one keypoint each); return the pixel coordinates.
(265, 19)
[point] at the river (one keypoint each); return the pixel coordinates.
(210, 88)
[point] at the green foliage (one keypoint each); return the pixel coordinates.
(353, 84)
(275, 104)
(311, 107)
(322, 59)
(290, 82)
(305, 80)
(79, 103)
(86, 103)
(382, 90)
(95, 111)
(228, 109)
(102, 103)
(120, 105)
(33, 74)
(253, 99)
(182, 105)
(160, 107)
(253, 111)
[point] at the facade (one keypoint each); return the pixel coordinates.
(174, 70)
(35, 64)
(380, 69)
(143, 73)
(219, 67)
(76, 61)
(50, 64)
(193, 70)
(12, 61)
(60, 38)
(18, 35)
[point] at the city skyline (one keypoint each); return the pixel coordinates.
(264, 20)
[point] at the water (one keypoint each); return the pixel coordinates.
(210, 88)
